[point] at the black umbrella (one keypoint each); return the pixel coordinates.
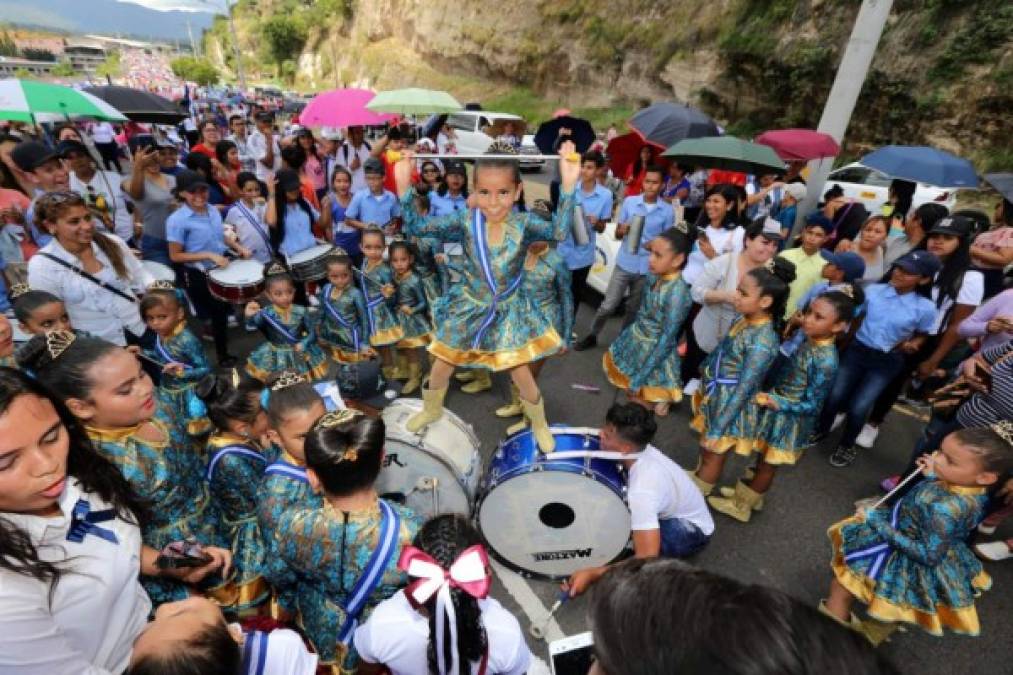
(1003, 184)
(139, 105)
(581, 133)
(666, 124)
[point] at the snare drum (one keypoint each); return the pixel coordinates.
(546, 517)
(159, 271)
(435, 471)
(311, 264)
(240, 282)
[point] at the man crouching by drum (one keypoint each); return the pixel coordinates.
(669, 516)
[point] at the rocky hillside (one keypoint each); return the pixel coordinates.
(943, 74)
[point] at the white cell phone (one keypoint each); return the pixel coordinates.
(572, 655)
(453, 249)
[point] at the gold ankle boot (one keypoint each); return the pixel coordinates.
(535, 412)
(482, 382)
(432, 409)
(513, 408)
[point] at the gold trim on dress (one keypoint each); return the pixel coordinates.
(650, 394)
(721, 445)
(544, 345)
(386, 337)
(413, 342)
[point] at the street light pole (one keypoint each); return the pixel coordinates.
(851, 74)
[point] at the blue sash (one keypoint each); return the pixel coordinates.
(164, 353)
(370, 302)
(390, 528)
(287, 470)
(256, 226)
(230, 450)
(337, 317)
(254, 653)
(878, 551)
(717, 380)
(482, 248)
(278, 326)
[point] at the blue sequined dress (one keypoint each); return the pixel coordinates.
(547, 283)
(416, 325)
(176, 392)
(283, 330)
(342, 324)
(384, 327)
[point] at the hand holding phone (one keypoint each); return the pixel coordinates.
(572, 655)
(182, 554)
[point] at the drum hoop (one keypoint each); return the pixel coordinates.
(542, 467)
(451, 468)
(233, 283)
(325, 250)
(408, 438)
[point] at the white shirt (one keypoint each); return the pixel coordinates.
(398, 637)
(359, 175)
(98, 607)
(257, 146)
(103, 132)
(723, 241)
(972, 292)
(660, 489)
(247, 162)
(108, 184)
(91, 307)
(248, 235)
(285, 654)
(714, 320)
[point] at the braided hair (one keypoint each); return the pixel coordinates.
(774, 283)
(444, 538)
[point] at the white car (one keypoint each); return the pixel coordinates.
(476, 129)
(870, 187)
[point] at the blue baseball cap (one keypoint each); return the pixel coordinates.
(922, 263)
(850, 263)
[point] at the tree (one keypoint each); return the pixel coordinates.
(63, 69)
(111, 67)
(196, 70)
(7, 45)
(285, 37)
(38, 54)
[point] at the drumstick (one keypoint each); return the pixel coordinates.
(537, 630)
(900, 485)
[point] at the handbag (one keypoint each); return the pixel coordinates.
(946, 400)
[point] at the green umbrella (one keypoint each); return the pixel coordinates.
(726, 152)
(414, 102)
(27, 101)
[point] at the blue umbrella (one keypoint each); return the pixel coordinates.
(922, 164)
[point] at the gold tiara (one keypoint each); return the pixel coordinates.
(275, 268)
(287, 379)
(58, 341)
(769, 265)
(161, 285)
(1005, 430)
(17, 290)
(848, 290)
(501, 148)
(235, 378)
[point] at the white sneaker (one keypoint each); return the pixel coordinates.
(867, 438)
(233, 322)
(691, 387)
(986, 529)
(993, 550)
(838, 421)
(314, 302)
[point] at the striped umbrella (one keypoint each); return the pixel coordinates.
(28, 101)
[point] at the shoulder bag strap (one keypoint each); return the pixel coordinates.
(95, 280)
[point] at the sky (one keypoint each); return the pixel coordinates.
(184, 5)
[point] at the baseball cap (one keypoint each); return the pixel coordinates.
(30, 155)
(850, 263)
(771, 229)
(922, 263)
(796, 191)
(68, 146)
(188, 181)
(288, 180)
(330, 134)
(956, 226)
(373, 166)
(454, 166)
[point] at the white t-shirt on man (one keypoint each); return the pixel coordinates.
(659, 489)
(398, 637)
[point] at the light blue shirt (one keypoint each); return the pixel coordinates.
(298, 230)
(658, 218)
(369, 208)
(597, 203)
(197, 233)
(891, 318)
(445, 205)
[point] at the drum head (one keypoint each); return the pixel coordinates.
(239, 273)
(311, 253)
(450, 437)
(552, 523)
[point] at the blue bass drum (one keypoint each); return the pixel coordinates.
(548, 517)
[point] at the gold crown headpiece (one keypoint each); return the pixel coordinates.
(58, 341)
(1005, 430)
(769, 265)
(336, 418)
(161, 285)
(17, 290)
(848, 290)
(501, 148)
(287, 379)
(275, 268)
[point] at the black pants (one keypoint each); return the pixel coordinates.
(110, 153)
(694, 354)
(578, 287)
(209, 307)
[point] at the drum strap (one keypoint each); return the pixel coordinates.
(337, 316)
(279, 327)
(879, 552)
(253, 221)
(478, 234)
(372, 575)
(95, 280)
(221, 453)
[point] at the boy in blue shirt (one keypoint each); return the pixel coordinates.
(374, 205)
(631, 268)
(596, 202)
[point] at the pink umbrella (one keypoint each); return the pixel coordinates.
(342, 108)
(799, 144)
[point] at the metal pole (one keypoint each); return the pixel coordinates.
(851, 74)
(235, 48)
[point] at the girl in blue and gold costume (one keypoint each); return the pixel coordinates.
(342, 322)
(644, 360)
(235, 468)
(293, 406)
(483, 321)
(104, 386)
(911, 563)
(786, 416)
(348, 548)
(412, 312)
(180, 354)
(7, 343)
(547, 282)
(291, 340)
(376, 280)
(733, 372)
